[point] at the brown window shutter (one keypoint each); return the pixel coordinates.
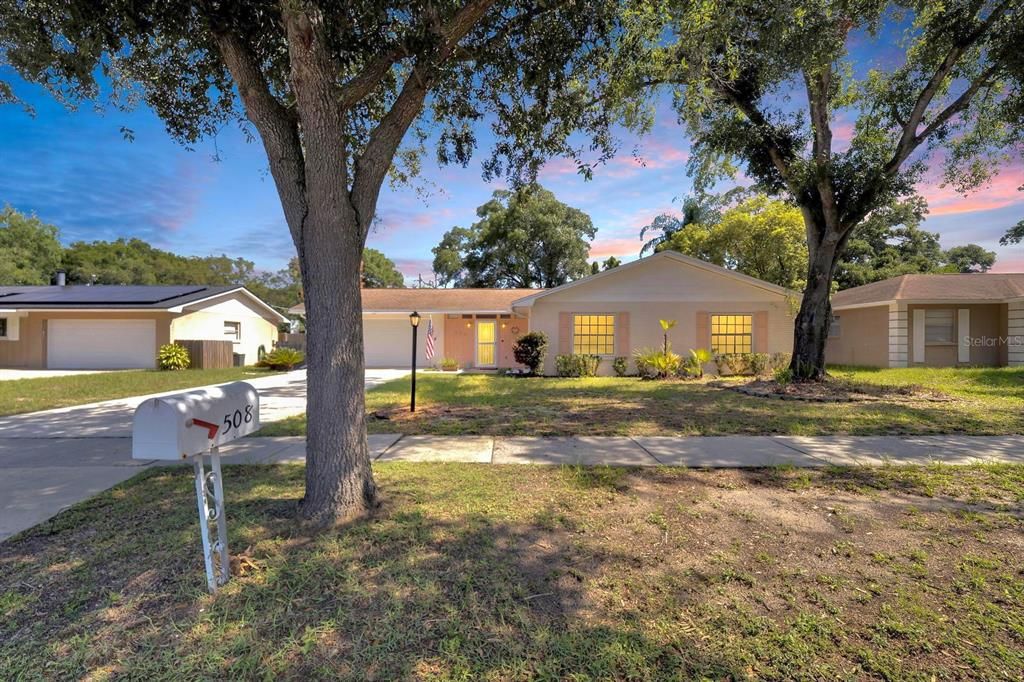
(703, 330)
(622, 335)
(564, 333)
(761, 332)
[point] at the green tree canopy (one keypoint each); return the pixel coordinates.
(760, 237)
(890, 242)
(30, 251)
(970, 258)
(524, 238)
(134, 261)
(379, 271)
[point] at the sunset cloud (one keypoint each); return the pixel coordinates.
(1002, 191)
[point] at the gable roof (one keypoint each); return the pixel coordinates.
(435, 300)
(674, 256)
(967, 287)
(117, 297)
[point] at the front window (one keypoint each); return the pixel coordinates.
(731, 334)
(593, 334)
(938, 326)
(3, 327)
(834, 329)
(233, 331)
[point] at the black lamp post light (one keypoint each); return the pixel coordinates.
(414, 320)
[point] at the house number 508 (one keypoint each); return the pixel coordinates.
(238, 418)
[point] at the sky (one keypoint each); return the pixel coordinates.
(74, 169)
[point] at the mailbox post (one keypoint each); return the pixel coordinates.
(194, 425)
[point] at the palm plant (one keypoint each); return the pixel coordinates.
(696, 210)
(698, 358)
(665, 326)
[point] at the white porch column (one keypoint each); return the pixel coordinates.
(897, 334)
(1015, 332)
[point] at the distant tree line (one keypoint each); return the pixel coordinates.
(31, 252)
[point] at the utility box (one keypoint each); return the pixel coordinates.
(179, 426)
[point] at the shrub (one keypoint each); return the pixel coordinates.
(620, 366)
(530, 350)
(654, 363)
(783, 376)
(282, 358)
(448, 364)
(698, 358)
(779, 361)
(577, 365)
(760, 364)
(172, 356)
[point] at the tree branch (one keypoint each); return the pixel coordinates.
(376, 159)
(909, 139)
(277, 126)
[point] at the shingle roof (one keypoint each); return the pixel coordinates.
(106, 296)
(979, 287)
(436, 300)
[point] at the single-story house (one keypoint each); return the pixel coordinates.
(609, 314)
(122, 327)
(930, 320)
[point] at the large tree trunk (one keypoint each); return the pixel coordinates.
(339, 482)
(815, 316)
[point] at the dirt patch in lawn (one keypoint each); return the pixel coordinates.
(514, 573)
(833, 390)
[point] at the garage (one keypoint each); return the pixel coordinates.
(101, 344)
(388, 342)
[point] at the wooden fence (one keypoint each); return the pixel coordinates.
(296, 341)
(209, 354)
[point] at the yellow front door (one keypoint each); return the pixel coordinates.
(485, 342)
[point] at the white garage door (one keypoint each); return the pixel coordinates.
(101, 344)
(388, 343)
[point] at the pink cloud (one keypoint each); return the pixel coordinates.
(1009, 264)
(558, 167)
(602, 248)
(411, 267)
(1003, 190)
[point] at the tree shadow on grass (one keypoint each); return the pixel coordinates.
(115, 585)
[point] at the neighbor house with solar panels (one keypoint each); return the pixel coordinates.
(122, 327)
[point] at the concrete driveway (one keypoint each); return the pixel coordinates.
(50, 460)
(14, 374)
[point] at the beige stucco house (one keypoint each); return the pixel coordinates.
(122, 327)
(609, 314)
(930, 320)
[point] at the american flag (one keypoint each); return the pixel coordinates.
(430, 339)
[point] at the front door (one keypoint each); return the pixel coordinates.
(486, 337)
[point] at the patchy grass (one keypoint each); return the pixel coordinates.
(44, 393)
(978, 401)
(474, 572)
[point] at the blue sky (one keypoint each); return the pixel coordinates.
(75, 170)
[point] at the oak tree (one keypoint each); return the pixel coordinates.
(331, 89)
(765, 86)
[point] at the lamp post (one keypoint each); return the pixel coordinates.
(414, 320)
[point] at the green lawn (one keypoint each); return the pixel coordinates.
(977, 401)
(44, 393)
(476, 572)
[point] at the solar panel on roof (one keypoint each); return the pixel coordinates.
(110, 295)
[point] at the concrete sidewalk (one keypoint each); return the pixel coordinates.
(690, 451)
(44, 476)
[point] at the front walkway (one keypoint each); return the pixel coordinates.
(690, 451)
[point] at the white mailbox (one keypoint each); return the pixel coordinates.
(185, 424)
(193, 425)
